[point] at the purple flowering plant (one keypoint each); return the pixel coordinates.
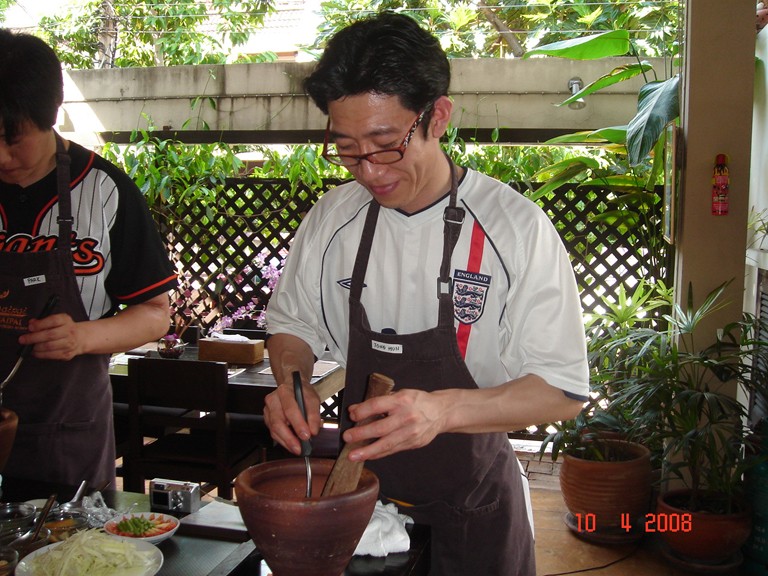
(270, 271)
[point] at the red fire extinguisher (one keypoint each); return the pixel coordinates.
(720, 186)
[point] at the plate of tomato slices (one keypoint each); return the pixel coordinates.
(146, 526)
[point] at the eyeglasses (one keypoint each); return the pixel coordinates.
(388, 156)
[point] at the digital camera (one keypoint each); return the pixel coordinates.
(174, 496)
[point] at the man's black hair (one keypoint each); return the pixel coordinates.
(387, 54)
(31, 83)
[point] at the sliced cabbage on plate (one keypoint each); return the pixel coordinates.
(94, 553)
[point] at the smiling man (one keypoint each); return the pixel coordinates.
(447, 281)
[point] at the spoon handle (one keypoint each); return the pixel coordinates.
(306, 445)
(80, 491)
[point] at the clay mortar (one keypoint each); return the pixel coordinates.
(299, 536)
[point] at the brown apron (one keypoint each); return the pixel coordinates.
(466, 487)
(65, 408)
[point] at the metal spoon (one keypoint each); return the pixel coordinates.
(306, 445)
(25, 350)
(76, 502)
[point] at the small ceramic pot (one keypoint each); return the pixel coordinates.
(299, 536)
(9, 558)
(26, 545)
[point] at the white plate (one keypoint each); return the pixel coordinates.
(110, 526)
(156, 562)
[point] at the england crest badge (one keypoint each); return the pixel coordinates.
(469, 291)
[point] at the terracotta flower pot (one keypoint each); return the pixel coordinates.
(605, 497)
(299, 536)
(9, 422)
(701, 537)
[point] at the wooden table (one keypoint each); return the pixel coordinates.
(247, 388)
(203, 556)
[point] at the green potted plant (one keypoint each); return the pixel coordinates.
(629, 162)
(606, 476)
(683, 399)
(658, 105)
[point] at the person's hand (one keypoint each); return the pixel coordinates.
(284, 419)
(407, 419)
(56, 337)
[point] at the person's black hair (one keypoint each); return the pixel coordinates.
(388, 54)
(31, 83)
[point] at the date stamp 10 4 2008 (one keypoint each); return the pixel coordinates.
(651, 522)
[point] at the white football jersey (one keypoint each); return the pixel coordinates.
(516, 305)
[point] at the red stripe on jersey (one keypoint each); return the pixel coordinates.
(473, 265)
(148, 288)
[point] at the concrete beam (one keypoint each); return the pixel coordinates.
(248, 102)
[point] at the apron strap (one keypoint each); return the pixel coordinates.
(63, 176)
(453, 218)
(364, 252)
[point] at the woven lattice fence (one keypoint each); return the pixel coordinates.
(221, 250)
(224, 251)
(606, 256)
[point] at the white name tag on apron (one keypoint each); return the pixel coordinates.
(388, 348)
(32, 280)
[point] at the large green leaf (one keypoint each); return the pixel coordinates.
(614, 134)
(618, 182)
(558, 167)
(624, 220)
(658, 104)
(618, 74)
(611, 43)
(561, 173)
(559, 179)
(575, 138)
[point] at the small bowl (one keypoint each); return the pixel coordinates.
(168, 524)
(15, 515)
(26, 545)
(171, 348)
(39, 503)
(9, 558)
(63, 524)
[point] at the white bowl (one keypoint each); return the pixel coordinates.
(168, 523)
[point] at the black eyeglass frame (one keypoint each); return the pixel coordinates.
(338, 159)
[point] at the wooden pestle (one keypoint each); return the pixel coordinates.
(345, 474)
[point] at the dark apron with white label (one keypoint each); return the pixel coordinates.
(65, 430)
(466, 487)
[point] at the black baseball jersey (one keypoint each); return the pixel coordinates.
(118, 255)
